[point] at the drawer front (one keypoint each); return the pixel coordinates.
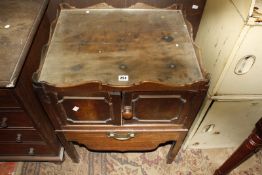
(156, 107)
(7, 99)
(227, 124)
(245, 69)
(13, 119)
(19, 136)
(122, 141)
(24, 149)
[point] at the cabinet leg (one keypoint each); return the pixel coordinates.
(247, 148)
(244, 151)
(69, 148)
(175, 147)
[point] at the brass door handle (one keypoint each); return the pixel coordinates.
(3, 123)
(121, 136)
(127, 112)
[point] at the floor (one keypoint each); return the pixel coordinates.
(189, 162)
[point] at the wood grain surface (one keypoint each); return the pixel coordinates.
(101, 44)
(18, 24)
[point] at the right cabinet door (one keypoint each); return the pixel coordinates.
(245, 70)
(156, 107)
(227, 124)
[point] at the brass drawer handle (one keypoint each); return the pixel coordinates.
(4, 123)
(18, 138)
(31, 151)
(121, 136)
(127, 112)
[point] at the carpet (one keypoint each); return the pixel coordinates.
(7, 168)
(188, 162)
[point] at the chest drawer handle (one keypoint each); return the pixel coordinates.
(31, 151)
(18, 138)
(245, 64)
(127, 112)
(4, 123)
(121, 136)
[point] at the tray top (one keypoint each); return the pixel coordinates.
(19, 20)
(102, 44)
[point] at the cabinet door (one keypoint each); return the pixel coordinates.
(227, 124)
(91, 108)
(245, 70)
(155, 107)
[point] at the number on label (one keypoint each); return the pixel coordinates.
(123, 78)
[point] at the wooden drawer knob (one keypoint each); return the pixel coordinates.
(127, 112)
(18, 138)
(31, 151)
(4, 123)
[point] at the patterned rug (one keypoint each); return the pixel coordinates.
(7, 168)
(189, 162)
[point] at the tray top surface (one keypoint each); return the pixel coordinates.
(19, 21)
(102, 44)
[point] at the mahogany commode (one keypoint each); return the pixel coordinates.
(121, 79)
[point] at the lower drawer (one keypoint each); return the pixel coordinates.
(7, 149)
(18, 118)
(123, 141)
(7, 99)
(19, 136)
(227, 123)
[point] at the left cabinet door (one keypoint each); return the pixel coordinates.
(90, 108)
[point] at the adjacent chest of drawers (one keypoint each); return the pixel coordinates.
(235, 95)
(121, 79)
(25, 131)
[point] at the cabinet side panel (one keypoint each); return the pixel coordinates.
(220, 27)
(25, 93)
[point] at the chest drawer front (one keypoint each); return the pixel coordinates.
(7, 99)
(245, 69)
(123, 140)
(157, 107)
(19, 136)
(13, 119)
(226, 124)
(25, 149)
